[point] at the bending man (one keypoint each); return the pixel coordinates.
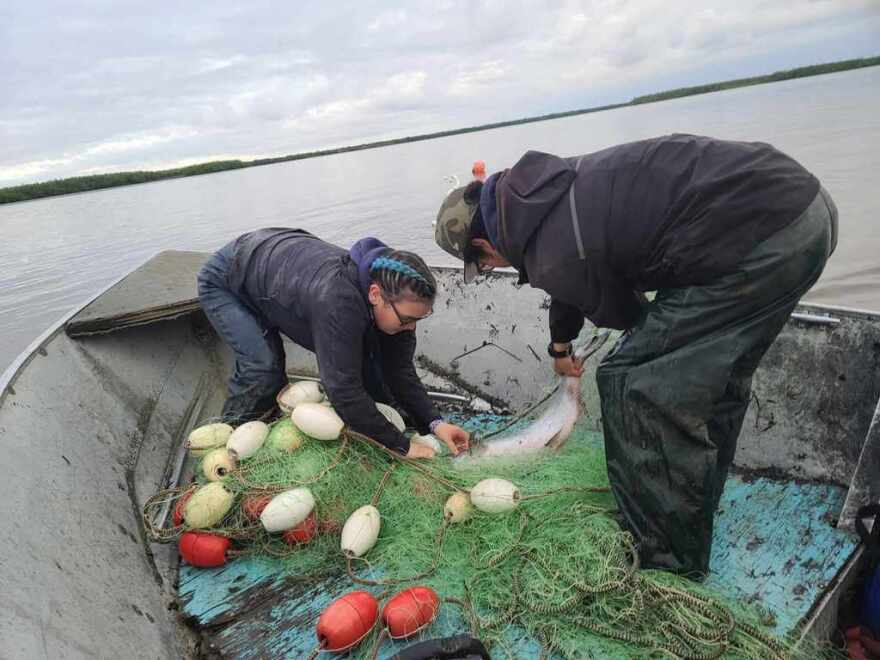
(729, 234)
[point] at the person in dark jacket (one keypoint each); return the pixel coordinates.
(357, 310)
(729, 234)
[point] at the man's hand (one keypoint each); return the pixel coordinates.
(455, 437)
(418, 450)
(568, 366)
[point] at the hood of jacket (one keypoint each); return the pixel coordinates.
(525, 195)
(363, 253)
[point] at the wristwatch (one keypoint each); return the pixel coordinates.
(558, 354)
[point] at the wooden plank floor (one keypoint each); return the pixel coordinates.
(774, 545)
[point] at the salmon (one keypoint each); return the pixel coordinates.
(552, 428)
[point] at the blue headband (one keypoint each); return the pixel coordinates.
(387, 263)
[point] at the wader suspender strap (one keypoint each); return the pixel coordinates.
(574, 213)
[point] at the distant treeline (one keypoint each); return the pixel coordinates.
(788, 74)
(97, 181)
(94, 182)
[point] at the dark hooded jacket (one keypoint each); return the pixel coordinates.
(595, 231)
(315, 293)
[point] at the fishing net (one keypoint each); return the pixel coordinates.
(554, 577)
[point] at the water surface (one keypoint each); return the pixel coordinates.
(57, 252)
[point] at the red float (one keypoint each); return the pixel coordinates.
(302, 533)
(410, 611)
(253, 505)
(203, 550)
(180, 506)
(860, 644)
(347, 621)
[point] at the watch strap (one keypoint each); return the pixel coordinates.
(558, 354)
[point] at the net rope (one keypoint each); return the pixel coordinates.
(557, 569)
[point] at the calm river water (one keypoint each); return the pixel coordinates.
(56, 252)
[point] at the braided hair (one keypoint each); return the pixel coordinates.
(402, 274)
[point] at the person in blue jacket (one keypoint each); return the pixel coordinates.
(356, 309)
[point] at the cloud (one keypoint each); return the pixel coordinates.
(387, 20)
(399, 93)
(32, 169)
(212, 64)
(144, 143)
(477, 79)
(123, 84)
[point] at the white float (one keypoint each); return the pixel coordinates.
(287, 509)
(208, 437)
(303, 391)
(247, 439)
(361, 530)
(495, 495)
(458, 507)
(317, 421)
(207, 506)
(217, 464)
(430, 440)
(392, 416)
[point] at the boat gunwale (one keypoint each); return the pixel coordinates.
(813, 619)
(9, 375)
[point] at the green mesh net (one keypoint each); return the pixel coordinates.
(554, 577)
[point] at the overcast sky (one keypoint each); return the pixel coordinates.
(108, 85)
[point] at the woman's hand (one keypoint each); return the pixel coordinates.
(418, 450)
(455, 437)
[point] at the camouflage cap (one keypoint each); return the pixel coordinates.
(452, 229)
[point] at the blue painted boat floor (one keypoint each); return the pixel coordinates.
(775, 545)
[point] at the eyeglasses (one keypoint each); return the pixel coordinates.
(403, 318)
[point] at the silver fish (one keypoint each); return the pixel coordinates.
(552, 428)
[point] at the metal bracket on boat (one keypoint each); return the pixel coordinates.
(190, 421)
(437, 396)
(446, 396)
(816, 319)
